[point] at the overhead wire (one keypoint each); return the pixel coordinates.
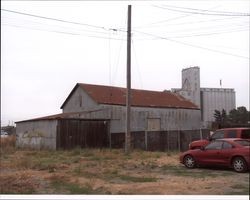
(188, 23)
(153, 24)
(220, 27)
(206, 31)
(62, 32)
(60, 20)
(53, 31)
(207, 34)
(202, 21)
(111, 29)
(196, 35)
(206, 10)
(137, 64)
(163, 21)
(204, 13)
(195, 46)
(116, 65)
(58, 26)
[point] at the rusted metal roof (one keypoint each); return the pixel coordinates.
(139, 98)
(50, 117)
(70, 115)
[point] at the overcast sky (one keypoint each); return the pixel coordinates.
(47, 47)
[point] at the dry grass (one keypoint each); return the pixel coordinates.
(8, 144)
(95, 171)
(17, 183)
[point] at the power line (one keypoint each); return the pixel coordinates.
(222, 27)
(64, 27)
(208, 31)
(195, 46)
(163, 21)
(116, 63)
(23, 27)
(207, 34)
(203, 10)
(203, 13)
(61, 20)
(61, 32)
(203, 34)
(170, 19)
(138, 67)
(190, 22)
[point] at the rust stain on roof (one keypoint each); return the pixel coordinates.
(139, 98)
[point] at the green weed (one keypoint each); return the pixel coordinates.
(182, 171)
(72, 188)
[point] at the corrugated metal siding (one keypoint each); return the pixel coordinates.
(216, 99)
(39, 134)
(170, 119)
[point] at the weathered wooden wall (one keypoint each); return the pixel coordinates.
(159, 140)
(72, 133)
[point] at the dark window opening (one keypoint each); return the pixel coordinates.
(245, 134)
(217, 135)
(226, 145)
(214, 145)
(232, 134)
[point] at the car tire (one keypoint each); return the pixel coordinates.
(189, 161)
(239, 164)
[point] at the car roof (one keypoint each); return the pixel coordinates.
(239, 128)
(231, 139)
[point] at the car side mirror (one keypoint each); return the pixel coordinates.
(203, 148)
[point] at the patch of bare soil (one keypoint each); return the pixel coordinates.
(85, 171)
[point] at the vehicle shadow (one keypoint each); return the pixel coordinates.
(218, 168)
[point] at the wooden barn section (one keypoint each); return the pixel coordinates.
(95, 116)
(63, 131)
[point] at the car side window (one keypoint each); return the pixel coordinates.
(214, 145)
(232, 134)
(226, 145)
(245, 134)
(217, 135)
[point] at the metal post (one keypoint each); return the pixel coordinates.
(168, 140)
(179, 140)
(146, 140)
(128, 100)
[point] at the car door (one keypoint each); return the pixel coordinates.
(211, 154)
(226, 153)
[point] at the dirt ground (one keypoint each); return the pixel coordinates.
(86, 171)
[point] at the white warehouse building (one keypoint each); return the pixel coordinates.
(207, 99)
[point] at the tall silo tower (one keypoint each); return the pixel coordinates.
(191, 85)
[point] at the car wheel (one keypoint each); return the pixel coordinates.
(239, 164)
(189, 161)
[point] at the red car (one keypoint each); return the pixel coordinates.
(243, 133)
(233, 153)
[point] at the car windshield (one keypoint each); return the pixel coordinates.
(243, 142)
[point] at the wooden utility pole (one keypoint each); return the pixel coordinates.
(128, 99)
